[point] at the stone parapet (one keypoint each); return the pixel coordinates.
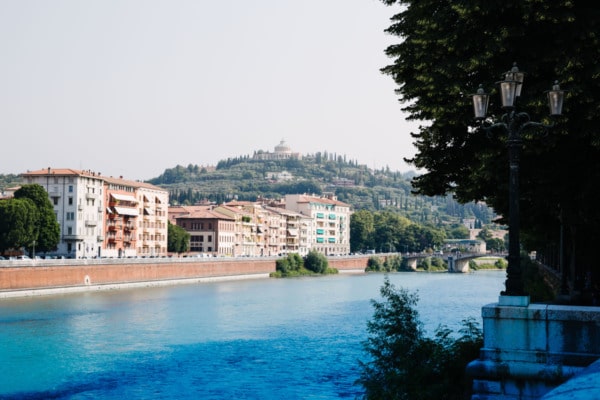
(530, 350)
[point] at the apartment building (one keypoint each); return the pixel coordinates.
(267, 228)
(248, 229)
(77, 198)
(295, 230)
(211, 232)
(136, 223)
(104, 216)
(330, 233)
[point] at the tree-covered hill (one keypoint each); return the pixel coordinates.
(8, 181)
(247, 178)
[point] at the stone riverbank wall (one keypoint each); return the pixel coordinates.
(27, 275)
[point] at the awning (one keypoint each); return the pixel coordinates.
(123, 197)
(132, 212)
(293, 232)
(108, 210)
(148, 211)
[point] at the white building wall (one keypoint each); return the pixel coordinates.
(77, 200)
(330, 233)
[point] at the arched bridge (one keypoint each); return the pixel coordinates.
(457, 262)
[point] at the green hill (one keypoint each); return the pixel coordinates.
(247, 178)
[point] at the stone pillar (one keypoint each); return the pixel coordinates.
(529, 349)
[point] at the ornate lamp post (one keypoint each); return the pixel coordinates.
(513, 123)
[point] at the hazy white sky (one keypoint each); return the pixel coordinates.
(132, 87)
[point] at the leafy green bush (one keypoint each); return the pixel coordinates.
(437, 264)
(501, 263)
(424, 264)
(291, 265)
(393, 263)
(404, 364)
(374, 264)
(316, 262)
(473, 265)
(292, 262)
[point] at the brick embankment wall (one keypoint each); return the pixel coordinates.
(344, 264)
(43, 274)
(69, 274)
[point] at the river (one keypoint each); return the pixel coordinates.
(253, 339)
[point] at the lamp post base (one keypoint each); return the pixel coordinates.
(514, 301)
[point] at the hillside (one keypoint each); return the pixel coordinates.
(248, 178)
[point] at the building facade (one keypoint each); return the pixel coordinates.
(281, 152)
(267, 228)
(104, 216)
(77, 198)
(211, 233)
(330, 233)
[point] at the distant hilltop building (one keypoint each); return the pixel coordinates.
(282, 152)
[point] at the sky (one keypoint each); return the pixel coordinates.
(133, 87)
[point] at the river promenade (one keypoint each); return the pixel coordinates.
(36, 277)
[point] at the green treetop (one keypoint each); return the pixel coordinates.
(445, 50)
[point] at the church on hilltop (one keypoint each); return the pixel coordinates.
(282, 152)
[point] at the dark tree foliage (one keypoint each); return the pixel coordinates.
(46, 228)
(18, 219)
(316, 262)
(404, 364)
(386, 231)
(290, 265)
(445, 50)
(362, 229)
(178, 240)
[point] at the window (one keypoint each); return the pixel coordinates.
(70, 216)
(70, 188)
(55, 201)
(210, 238)
(70, 201)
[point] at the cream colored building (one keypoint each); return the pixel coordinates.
(211, 233)
(330, 233)
(281, 152)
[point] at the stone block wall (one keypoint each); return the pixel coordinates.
(530, 350)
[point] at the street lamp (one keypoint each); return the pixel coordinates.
(513, 123)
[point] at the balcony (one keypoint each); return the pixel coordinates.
(91, 196)
(89, 222)
(73, 237)
(100, 238)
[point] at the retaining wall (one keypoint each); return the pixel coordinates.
(44, 274)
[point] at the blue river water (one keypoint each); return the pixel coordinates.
(251, 339)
